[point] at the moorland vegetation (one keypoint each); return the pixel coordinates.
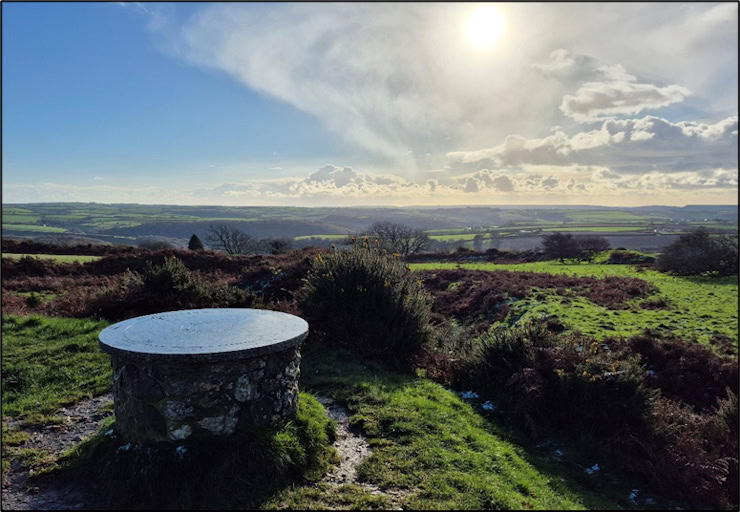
(659, 404)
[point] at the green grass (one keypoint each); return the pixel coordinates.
(325, 237)
(434, 446)
(109, 224)
(15, 210)
(64, 218)
(609, 216)
(41, 296)
(58, 258)
(20, 219)
(323, 496)
(448, 231)
(33, 227)
(603, 229)
(448, 238)
(239, 473)
(427, 443)
(48, 363)
(698, 307)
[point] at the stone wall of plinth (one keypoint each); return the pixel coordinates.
(174, 400)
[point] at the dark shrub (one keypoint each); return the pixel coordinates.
(688, 372)
(624, 257)
(156, 243)
(697, 253)
(277, 245)
(195, 244)
(33, 300)
(167, 287)
(590, 246)
(565, 384)
(369, 301)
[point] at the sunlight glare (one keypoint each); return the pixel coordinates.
(484, 26)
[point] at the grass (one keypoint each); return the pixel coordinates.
(698, 307)
(58, 258)
(462, 236)
(431, 447)
(608, 216)
(33, 227)
(324, 237)
(241, 472)
(20, 219)
(48, 363)
(434, 447)
(600, 229)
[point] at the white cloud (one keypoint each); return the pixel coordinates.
(610, 91)
(626, 146)
(597, 100)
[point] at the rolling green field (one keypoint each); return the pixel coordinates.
(609, 216)
(602, 229)
(33, 227)
(59, 258)
(324, 237)
(134, 220)
(698, 307)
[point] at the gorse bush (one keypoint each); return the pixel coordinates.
(367, 300)
(564, 384)
(167, 287)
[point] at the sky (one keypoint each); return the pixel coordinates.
(333, 104)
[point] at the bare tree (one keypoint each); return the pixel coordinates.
(561, 246)
(231, 240)
(592, 245)
(398, 238)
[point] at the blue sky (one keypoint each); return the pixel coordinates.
(338, 104)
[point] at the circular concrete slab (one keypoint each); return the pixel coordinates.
(204, 334)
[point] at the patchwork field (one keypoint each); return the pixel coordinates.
(501, 228)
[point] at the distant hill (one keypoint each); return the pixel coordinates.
(131, 223)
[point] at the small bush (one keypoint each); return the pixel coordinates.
(683, 371)
(566, 384)
(698, 253)
(33, 300)
(624, 257)
(368, 301)
(167, 287)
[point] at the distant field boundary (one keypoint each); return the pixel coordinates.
(59, 258)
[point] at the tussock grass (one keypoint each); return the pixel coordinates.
(48, 363)
(432, 445)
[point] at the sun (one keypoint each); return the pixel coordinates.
(484, 26)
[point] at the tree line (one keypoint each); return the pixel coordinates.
(693, 253)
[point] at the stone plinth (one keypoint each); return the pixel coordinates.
(203, 373)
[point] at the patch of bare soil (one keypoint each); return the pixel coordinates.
(352, 448)
(81, 420)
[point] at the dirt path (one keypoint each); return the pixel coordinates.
(81, 420)
(352, 448)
